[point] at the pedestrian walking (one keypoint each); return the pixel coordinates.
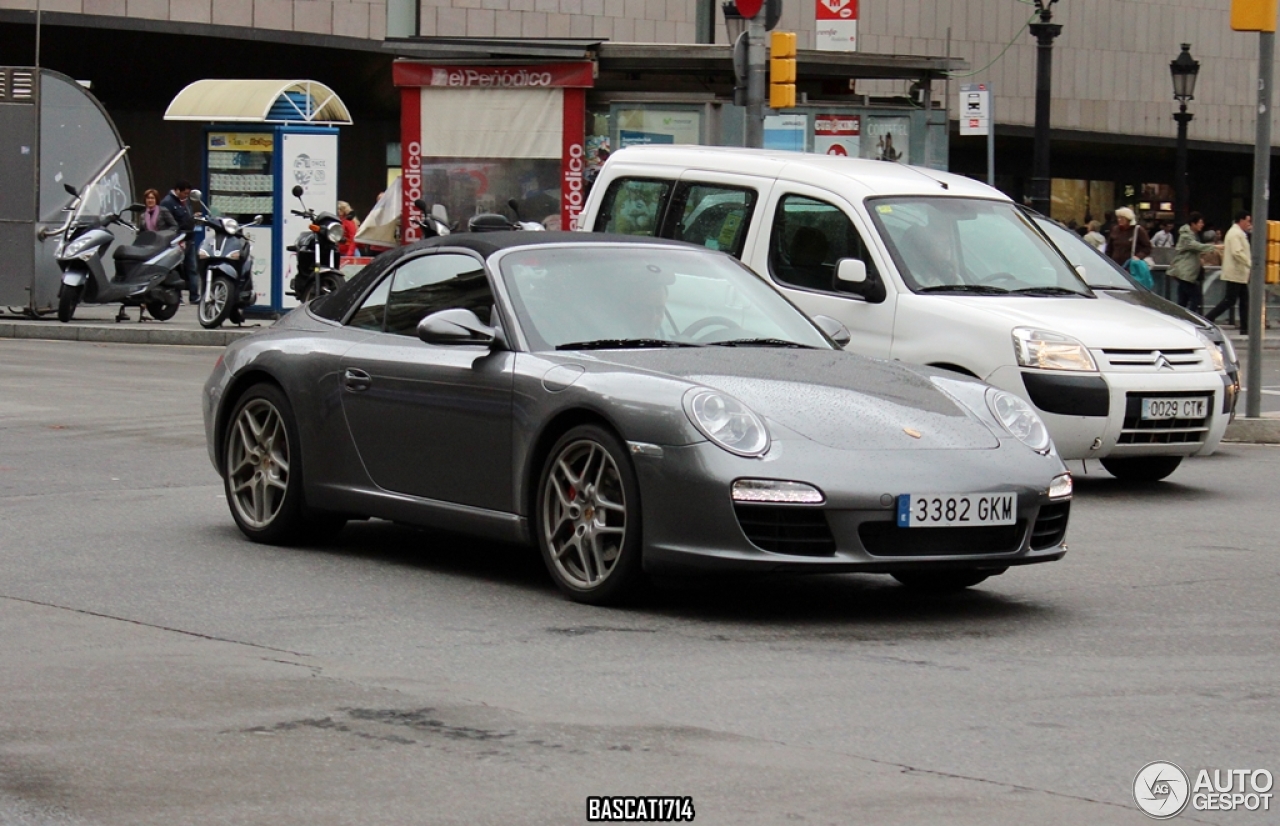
(1237, 261)
(1187, 268)
(155, 218)
(1127, 239)
(1094, 237)
(347, 248)
(1165, 237)
(176, 203)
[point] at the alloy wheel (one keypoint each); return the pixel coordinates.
(258, 463)
(584, 514)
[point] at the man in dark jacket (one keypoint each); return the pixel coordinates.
(176, 203)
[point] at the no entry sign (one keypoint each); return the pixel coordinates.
(748, 8)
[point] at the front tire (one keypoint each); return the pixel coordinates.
(941, 582)
(262, 473)
(328, 283)
(1141, 468)
(587, 517)
(216, 303)
(67, 301)
(163, 309)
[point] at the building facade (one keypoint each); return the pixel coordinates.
(1113, 132)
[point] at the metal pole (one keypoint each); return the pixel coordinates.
(1258, 246)
(1181, 191)
(754, 132)
(1044, 33)
(991, 137)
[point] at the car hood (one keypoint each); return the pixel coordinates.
(1148, 299)
(1098, 322)
(832, 397)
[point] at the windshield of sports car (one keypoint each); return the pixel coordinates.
(972, 246)
(1099, 270)
(602, 296)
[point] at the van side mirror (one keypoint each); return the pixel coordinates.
(456, 326)
(851, 271)
(835, 331)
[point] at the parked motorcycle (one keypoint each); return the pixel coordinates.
(317, 253)
(494, 222)
(226, 267)
(146, 273)
(434, 221)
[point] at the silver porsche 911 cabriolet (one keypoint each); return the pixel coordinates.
(632, 407)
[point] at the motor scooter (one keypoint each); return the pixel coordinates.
(226, 267)
(495, 222)
(434, 221)
(317, 253)
(146, 273)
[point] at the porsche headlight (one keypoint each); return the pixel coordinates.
(727, 422)
(1050, 351)
(335, 233)
(1216, 354)
(1017, 417)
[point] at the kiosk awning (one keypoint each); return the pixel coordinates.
(259, 101)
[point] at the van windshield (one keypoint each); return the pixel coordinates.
(973, 246)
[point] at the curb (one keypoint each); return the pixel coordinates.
(121, 334)
(1264, 431)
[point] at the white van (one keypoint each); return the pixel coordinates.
(937, 269)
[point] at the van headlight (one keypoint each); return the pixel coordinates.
(1216, 353)
(1018, 417)
(726, 421)
(1050, 351)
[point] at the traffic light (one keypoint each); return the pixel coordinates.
(1253, 15)
(1273, 252)
(782, 70)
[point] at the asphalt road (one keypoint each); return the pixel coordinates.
(156, 668)
(1270, 401)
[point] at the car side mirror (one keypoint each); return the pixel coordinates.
(851, 271)
(456, 326)
(852, 277)
(835, 331)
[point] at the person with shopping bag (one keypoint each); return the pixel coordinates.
(1186, 268)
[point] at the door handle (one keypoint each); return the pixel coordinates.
(357, 380)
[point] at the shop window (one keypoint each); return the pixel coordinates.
(471, 187)
(430, 283)
(713, 216)
(633, 206)
(806, 240)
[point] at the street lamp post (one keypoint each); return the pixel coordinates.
(1044, 32)
(1183, 69)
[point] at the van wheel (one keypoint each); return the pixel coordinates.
(1141, 468)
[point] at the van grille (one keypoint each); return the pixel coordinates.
(1137, 431)
(887, 539)
(1148, 360)
(787, 529)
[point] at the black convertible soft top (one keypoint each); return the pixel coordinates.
(336, 304)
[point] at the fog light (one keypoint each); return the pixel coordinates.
(772, 490)
(1060, 487)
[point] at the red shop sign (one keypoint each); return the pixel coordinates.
(534, 76)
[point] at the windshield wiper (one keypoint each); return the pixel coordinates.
(980, 289)
(1047, 291)
(760, 342)
(622, 344)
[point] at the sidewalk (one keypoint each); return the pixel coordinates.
(97, 323)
